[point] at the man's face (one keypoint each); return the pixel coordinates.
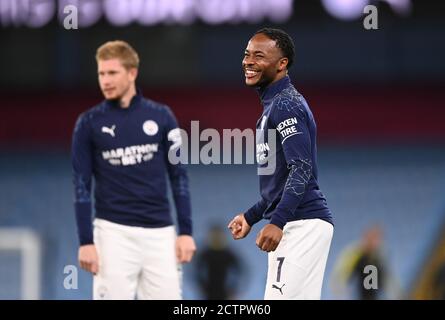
(114, 79)
(263, 61)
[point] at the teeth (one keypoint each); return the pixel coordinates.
(250, 72)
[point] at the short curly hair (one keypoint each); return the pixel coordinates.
(283, 41)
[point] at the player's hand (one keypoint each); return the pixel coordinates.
(269, 237)
(88, 258)
(239, 227)
(185, 248)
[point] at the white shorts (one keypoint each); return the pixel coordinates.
(136, 262)
(296, 267)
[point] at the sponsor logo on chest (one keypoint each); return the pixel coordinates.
(132, 154)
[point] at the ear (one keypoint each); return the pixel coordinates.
(133, 73)
(282, 64)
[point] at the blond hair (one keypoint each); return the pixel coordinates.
(121, 50)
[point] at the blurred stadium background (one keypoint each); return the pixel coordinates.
(378, 97)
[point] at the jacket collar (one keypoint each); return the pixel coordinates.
(270, 91)
(134, 102)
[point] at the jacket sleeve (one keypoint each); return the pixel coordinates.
(290, 121)
(255, 213)
(82, 159)
(178, 176)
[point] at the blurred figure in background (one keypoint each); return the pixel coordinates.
(429, 283)
(123, 143)
(351, 269)
(218, 269)
(439, 283)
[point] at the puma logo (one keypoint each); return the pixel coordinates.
(274, 286)
(109, 130)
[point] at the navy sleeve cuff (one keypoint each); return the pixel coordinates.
(255, 213)
(185, 229)
(278, 220)
(251, 217)
(183, 209)
(84, 223)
